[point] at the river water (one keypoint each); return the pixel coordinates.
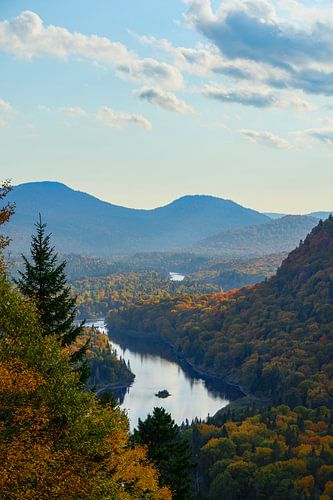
(156, 368)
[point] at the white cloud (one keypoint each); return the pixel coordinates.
(27, 37)
(266, 139)
(112, 119)
(293, 100)
(165, 100)
(321, 134)
(3, 122)
(259, 97)
(5, 107)
(291, 54)
(75, 111)
(307, 14)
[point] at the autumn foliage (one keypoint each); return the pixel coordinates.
(6, 210)
(274, 339)
(281, 454)
(57, 441)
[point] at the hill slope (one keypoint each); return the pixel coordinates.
(86, 225)
(274, 339)
(274, 236)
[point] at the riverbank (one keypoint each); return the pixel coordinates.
(133, 334)
(114, 387)
(244, 399)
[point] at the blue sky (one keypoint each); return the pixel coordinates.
(139, 102)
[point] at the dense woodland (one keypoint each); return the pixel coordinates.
(277, 454)
(57, 440)
(106, 370)
(98, 294)
(274, 339)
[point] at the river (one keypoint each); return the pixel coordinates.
(156, 368)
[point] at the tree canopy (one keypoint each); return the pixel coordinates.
(57, 441)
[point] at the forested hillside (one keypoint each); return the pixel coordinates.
(275, 339)
(57, 441)
(280, 235)
(280, 454)
(97, 295)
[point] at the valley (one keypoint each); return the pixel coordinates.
(235, 331)
(166, 250)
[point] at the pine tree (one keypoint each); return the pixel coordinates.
(168, 450)
(45, 282)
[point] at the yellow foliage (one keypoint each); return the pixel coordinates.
(57, 441)
(306, 484)
(329, 489)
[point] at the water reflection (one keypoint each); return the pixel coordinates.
(156, 368)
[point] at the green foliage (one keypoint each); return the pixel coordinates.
(44, 281)
(97, 296)
(168, 450)
(106, 370)
(6, 211)
(259, 460)
(119, 286)
(274, 339)
(57, 441)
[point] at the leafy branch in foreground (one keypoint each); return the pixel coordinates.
(6, 211)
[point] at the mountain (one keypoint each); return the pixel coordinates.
(274, 339)
(85, 225)
(321, 215)
(274, 236)
(318, 215)
(273, 215)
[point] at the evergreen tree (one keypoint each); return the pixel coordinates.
(168, 450)
(45, 282)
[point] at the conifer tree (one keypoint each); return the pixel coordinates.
(44, 281)
(168, 450)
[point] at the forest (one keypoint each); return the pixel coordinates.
(113, 285)
(106, 370)
(273, 339)
(278, 454)
(58, 440)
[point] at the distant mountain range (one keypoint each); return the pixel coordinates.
(85, 225)
(318, 215)
(277, 235)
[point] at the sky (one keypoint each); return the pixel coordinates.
(139, 102)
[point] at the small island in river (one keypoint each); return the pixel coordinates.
(163, 394)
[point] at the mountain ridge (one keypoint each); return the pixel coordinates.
(273, 339)
(274, 236)
(84, 224)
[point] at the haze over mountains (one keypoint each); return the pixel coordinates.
(85, 225)
(318, 215)
(274, 236)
